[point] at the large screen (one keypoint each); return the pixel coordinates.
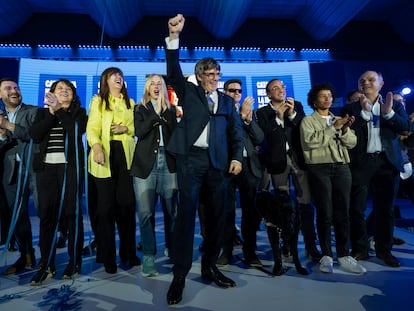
(36, 77)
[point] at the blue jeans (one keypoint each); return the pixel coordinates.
(160, 183)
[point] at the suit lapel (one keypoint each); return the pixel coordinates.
(202, 94)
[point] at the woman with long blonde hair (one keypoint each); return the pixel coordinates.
(153, 167)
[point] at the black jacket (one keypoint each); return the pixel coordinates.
(147, 123)
(45, 121)
(273, 152)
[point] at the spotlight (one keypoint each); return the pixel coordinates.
(406, 90)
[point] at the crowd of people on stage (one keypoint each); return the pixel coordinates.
(191, 157)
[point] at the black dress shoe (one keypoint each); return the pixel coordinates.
(389, 259)
(313, 253)
(111, 268)
(398, 241)
(135, 261)
(201, 247)
(12, 248)
(211, 273)
(175, 292)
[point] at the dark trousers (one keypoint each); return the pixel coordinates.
(247, 184)
(23, 229)
(193, 171)
(50, 183)
(330, 187)
(115, 205)
(4, 216)
(379, 176)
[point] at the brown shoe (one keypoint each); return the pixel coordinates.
(24, 262)
(223, 260)
(360, 256)
(389, 259)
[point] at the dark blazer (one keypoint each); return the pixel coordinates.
(225, 125)
(253, 136)
(147, 123)
(45, 121)
(273, 151)
(389, 130)
(15, 141)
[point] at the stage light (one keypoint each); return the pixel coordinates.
(406, 90)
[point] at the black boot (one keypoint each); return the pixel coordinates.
(291, 228)
(273, 235)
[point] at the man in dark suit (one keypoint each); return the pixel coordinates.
(206, 142)
(375, 165)
(14, 147)
(283, 157)
(247, 182)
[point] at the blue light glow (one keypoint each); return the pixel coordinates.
(406, 90)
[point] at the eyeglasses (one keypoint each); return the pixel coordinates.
(212, 75)
(235, 91)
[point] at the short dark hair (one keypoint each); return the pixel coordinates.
(269, 82)
(228, 82)
(7, 79)
(352, 93)
(204, 64)
(313, 93)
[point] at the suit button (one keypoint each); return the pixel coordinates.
(155, 151)
(158, 140)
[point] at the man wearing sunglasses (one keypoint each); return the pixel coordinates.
(247, 182)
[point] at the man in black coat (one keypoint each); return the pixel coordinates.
(208, 129)
(375, 165)
(282, 157)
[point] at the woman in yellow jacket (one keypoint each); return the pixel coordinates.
(110, 134)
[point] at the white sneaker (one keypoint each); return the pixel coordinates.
(371, 246)
(349, 264)
(326, 264)
(371, 243)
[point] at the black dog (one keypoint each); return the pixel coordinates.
(281, 219)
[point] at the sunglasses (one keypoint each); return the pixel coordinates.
(235, 91)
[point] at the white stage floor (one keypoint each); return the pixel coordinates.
(381, 288)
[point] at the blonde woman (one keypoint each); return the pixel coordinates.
(110, 134)
(153, 167)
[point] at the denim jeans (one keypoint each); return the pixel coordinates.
(159, 184)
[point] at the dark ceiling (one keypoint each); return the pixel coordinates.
(351, 29)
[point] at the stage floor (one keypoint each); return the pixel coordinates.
(381, 288)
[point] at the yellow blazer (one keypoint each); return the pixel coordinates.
(98, 130)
